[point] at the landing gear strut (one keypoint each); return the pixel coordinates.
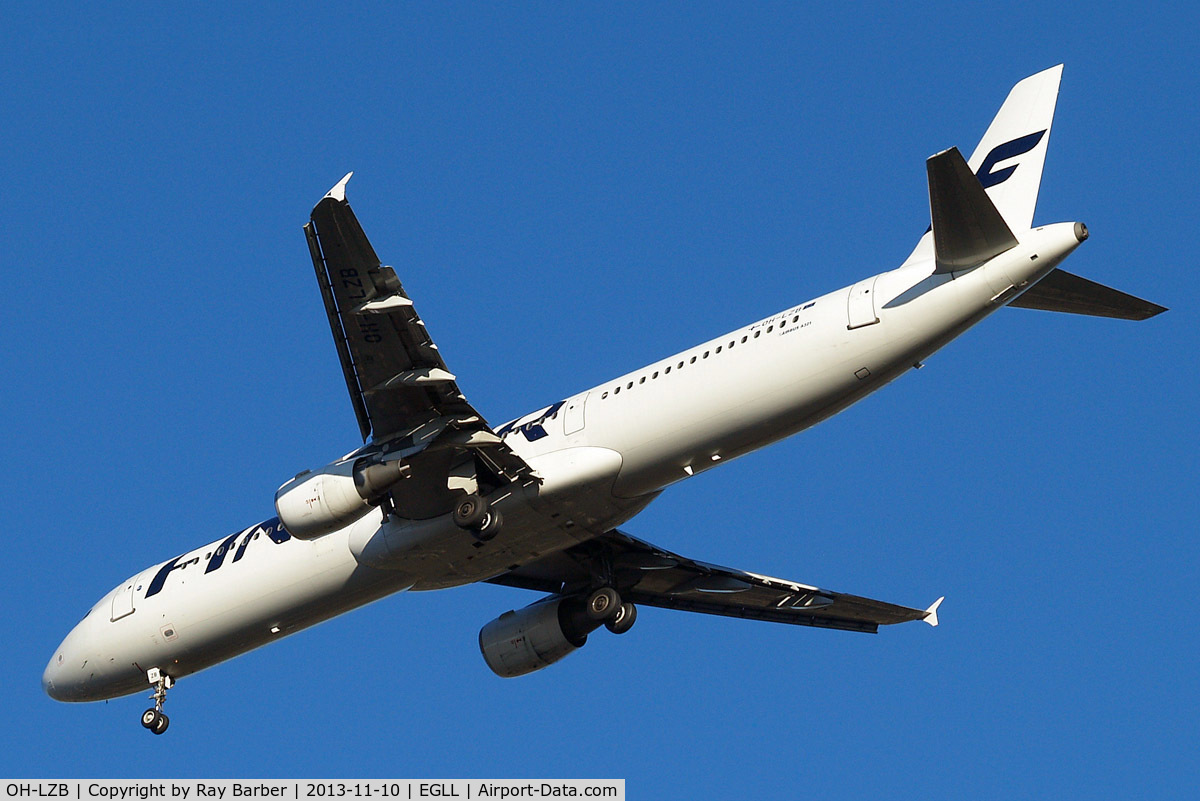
(153, 718)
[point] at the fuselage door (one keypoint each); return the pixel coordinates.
(573, 416)
(122, 603)
(860, 309)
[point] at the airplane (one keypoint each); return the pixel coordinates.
(437, 498)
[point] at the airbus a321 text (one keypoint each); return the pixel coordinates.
(436, 497)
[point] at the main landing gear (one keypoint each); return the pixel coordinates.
(476, 515)
(154, 719)
(605, 606)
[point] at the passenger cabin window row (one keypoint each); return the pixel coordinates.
(667, 370)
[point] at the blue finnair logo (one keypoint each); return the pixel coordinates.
(532, 429)
(1008, 150)
(272, 529)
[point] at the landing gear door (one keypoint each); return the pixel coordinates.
(573, 416)
(860, 309)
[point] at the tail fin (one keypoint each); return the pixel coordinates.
(1009, 158)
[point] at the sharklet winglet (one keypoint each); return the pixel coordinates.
(931, 612)
(339, 189)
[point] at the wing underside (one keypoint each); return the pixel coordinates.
(651, 576)
(403, 394)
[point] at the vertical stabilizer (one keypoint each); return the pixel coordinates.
(1008, 160)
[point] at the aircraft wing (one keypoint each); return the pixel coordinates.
(645, 574)
(399, 384)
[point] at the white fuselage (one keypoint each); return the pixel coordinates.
(602, 456)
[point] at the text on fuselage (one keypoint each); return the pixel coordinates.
(272, 529)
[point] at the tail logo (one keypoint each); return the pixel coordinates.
(1008, 150)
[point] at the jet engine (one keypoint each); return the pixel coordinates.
(544, 632)
(315, 503)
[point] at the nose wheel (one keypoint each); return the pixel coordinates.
(155, 721)
(153, 718)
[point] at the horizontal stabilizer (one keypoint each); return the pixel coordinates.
(967, 228)
(1061, 291)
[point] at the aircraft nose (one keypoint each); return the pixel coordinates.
(49, 675)
(68, 673)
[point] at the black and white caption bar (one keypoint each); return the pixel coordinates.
(311, 789)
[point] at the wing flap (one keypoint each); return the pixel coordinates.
(1061, 291)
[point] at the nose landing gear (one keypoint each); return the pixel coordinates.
(154, 719)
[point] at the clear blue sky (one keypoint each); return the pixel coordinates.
(568, 193)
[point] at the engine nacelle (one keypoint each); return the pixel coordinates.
(535, 637)
(316, 503)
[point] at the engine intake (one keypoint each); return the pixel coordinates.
(314, 504)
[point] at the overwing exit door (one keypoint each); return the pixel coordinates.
(573, 416)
